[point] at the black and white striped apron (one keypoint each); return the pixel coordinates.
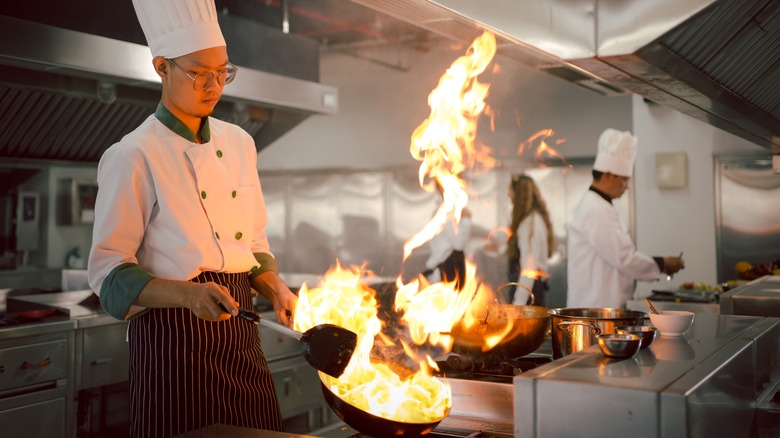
(187, 373)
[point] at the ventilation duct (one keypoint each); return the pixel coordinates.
(716, 61)
(68, 95)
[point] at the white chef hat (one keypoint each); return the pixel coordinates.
(175, 28)
(616, 154)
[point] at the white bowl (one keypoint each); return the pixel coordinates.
(672, 322)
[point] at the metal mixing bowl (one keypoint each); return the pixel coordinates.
(619, 346)
(646, 332)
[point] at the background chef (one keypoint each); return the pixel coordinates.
(180, 231)
(603, 262)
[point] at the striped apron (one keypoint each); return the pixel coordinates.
(187, 373)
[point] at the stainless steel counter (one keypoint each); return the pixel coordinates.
(760, 297)
(706, 383)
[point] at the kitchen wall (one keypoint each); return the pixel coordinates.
(672, 220)
(381, 106)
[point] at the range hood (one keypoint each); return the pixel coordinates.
(716, 61)
(68, 95)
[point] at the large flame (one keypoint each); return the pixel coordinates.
(445, 143)
(373, 386)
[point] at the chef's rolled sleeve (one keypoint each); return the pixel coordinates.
(121, 288)
(266, 262)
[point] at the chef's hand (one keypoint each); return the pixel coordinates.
(673, 264)
(271, 286)
(284, 306)
(205, 299)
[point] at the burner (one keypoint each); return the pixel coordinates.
(31, 316)
(446, 434)
(473, 368)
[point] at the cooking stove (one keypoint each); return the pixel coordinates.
(482, 395)
(434, 434)
(456, 366)
(28, 317)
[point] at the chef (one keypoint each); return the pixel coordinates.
(179, 241)
(603, 262)
(447, 260)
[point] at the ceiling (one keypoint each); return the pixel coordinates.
(716, 61)
(334, 24)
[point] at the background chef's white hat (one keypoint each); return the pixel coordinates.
(175, 28)
(616, 154)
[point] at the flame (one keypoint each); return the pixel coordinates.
(446, 146)
(367, 384)
(543, 149)
(535, 274)
(445, 143)
(532, 273)
(430, 310)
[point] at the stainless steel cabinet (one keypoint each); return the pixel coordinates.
(296, 382)
(36, 375)
(102, 353)
(297, 386)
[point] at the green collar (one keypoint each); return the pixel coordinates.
(168, 119)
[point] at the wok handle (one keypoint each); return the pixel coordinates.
(514, 283)
(564, 325)
(257, 319)
(283, 329)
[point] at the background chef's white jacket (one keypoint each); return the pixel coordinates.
(453, 237)
(532, 243)
(602, 260)
(187, 207)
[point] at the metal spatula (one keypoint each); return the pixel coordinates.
(327, 347)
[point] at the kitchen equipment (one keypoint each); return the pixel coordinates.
(327, 347)
(36, 378)
(685, 296)
(373, 425)
(574, 329)
(619, 346)
(720, 380)
(650, 305)
(672, 322)
(759, 297)
(530, 327)
(645, 332)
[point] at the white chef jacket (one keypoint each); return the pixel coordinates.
(453, 237)
(532, 243)
(177, 208)
(602, 260)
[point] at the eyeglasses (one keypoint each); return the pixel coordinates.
(201, 81)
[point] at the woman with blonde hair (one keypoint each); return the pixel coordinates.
(531, 241)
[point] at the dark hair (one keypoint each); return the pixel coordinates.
(526, 199)
(596, 174)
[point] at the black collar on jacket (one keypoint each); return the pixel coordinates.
(600, 193)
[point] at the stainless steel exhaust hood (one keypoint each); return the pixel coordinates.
(68, 95)
(717, 61)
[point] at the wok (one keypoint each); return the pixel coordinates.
(327, 347)
(530, 327)
(373, 425)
